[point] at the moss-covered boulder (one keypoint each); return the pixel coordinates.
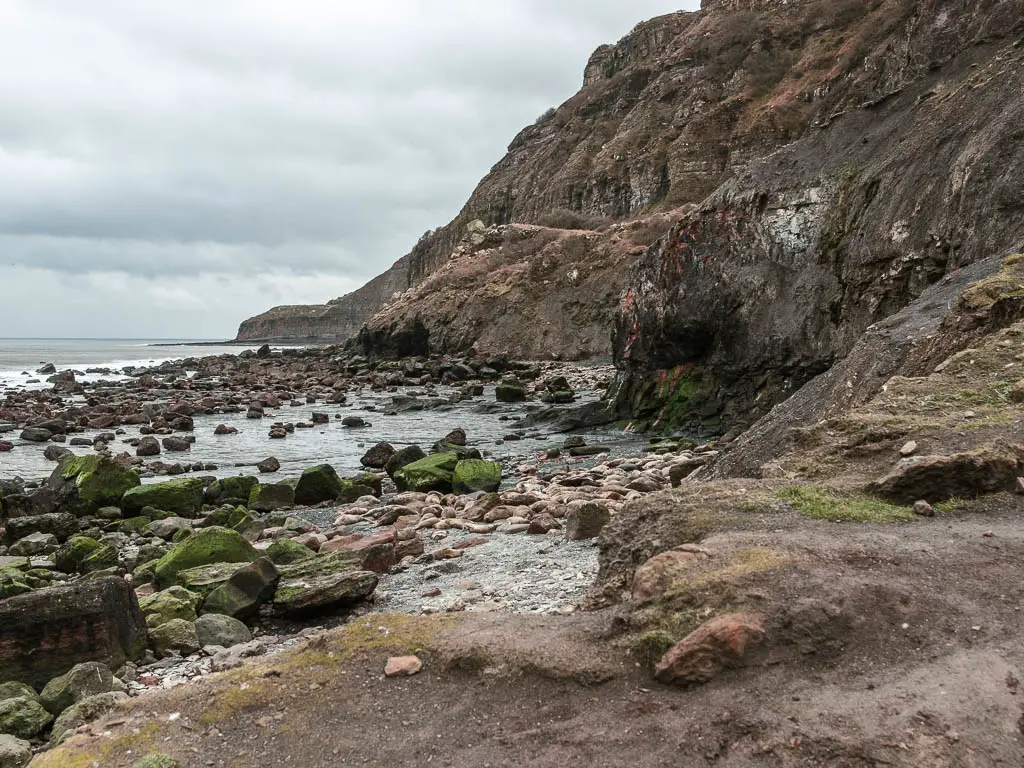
(133, 525)
(84, 712)
(205, 547)
(352, 490)
(220, 629)
(318, 484)
(172, 603)
(244, 591)
(317, 595)
(203, 579)
(13, 582)
(403, 458)
(81, 682)
(12, 690)
(175, 635)
(431, 473)
(237, 489)
(86, 483)
(266, 498)
(101, 558)
(286, 551)
(23, 717)
(472, 475)
(182, 497)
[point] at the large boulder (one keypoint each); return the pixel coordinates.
(318, 484)
(474, 475)
(23, 717)
(86, 483)
(14, 752)
(232, 489)
(72, 554)
(222, 630)
(82, 681)
(403, 458)
(267, 498)
(938, 478)
(175, 635)
(377, 457)
(431, 473)
(244, 591)
(205, 547)
(46, 632)
(172, 603)
(84, 712)
(182, 497)
(61, 524)
(323, 584)
(286, 551)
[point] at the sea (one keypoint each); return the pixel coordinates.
(20, 358)
(486, 422)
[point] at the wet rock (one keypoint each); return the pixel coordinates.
(148, 446)
(36, 434)
(176, 444)
(431, 473)
(511, 390)
(378, 456)
(172, 603)
(286, 551)
(271, 496)
(63, 525)
(45, 633)
(403, 458)
(354, 422)
(269, 465)
(34, 544)
(56, 452)
(318, 484)
(714, 646)
(223, 429)
(318, 594)
(85, 483)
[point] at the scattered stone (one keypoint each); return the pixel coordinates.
(222, 630)
(269, 466)
(714, 646)
(402, 666)
(909, 449)
(923, 509)
(585, 519)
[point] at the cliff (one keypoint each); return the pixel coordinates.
(332, 322)
(776, 276)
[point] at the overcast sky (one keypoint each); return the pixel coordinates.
(168, 169)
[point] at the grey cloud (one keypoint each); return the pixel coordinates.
(305, 144)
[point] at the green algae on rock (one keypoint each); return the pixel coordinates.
(205, 547)
(182, 497)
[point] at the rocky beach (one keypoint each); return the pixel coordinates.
(695, 438)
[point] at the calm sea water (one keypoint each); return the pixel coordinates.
(19, 358)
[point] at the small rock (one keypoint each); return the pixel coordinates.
(923, 509)
(402, 666)
(269, 466)
(909, 449)
(716, 644)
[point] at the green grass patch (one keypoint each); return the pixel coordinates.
(822, 504)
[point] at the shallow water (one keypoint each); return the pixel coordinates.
(20, 358)
(327, 443)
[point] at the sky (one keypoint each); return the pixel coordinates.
(169, 169)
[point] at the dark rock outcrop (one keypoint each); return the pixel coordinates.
(45, 633)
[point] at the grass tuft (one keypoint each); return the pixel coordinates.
(822, 504)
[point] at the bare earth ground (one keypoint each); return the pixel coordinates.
(917, 665)
(892, 643)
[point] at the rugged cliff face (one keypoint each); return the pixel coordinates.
(332, 322)
(776, 275)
